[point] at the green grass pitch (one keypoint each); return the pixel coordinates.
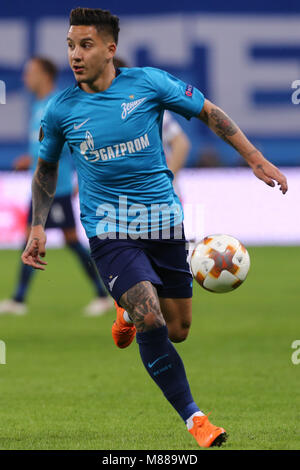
(66, 386)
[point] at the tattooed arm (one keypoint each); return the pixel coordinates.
(225, 128)
(43, 191)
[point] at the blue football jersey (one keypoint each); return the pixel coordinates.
(115, 138)
(65, 175)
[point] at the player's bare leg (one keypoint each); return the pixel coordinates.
(140, 307)
(70, 235)
(162, 361)
(176, 312)
(142, 304)
(178, 316)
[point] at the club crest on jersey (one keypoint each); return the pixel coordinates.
(189, 90)
(128, 108)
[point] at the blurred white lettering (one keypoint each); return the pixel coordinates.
(2, 92)
(296, 93)
(2, 352)
(296, 354)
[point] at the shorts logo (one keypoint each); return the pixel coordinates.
(111, 283)
(189, 90)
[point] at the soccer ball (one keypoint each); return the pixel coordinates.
(220, 263)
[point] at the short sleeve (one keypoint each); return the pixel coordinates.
(51, 137)
(174, 94)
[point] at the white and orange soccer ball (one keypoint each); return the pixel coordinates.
(220, 263)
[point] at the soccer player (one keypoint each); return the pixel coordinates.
(112, 122)
(39, 77)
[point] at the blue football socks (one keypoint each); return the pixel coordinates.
(166, 368)
(26, 273)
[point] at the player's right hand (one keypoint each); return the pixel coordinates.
(35, 248)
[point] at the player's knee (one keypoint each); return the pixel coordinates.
(149, 320)
(179, 333)
(178, 336)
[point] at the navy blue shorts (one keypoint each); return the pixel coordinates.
(124, 263)
(61, 214)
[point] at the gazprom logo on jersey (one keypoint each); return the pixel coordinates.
(128, 108)
(87, 148)
(139, 221)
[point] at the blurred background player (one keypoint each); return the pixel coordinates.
(176, 146)
(39, 77)
(175, 142)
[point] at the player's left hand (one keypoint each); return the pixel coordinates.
(269, 173)
(35, 249)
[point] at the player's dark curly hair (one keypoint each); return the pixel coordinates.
(103, 20)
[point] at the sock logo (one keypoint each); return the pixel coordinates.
(151, 364)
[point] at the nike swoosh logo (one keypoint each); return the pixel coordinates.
(78, 126)
(111, 283)
(150, 365)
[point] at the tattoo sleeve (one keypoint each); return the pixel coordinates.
(142, 304)
(224, 127)
(43, 191)
(220, 123)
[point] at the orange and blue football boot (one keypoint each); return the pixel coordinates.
(123, 333)
(206, 434)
